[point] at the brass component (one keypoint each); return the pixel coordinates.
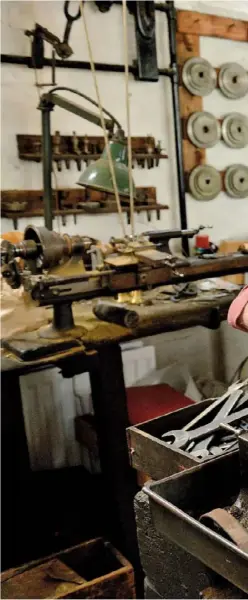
(134, 297)
(75, 143)
(152, 256)
(121, 260)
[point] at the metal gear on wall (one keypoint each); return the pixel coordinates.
(235, 130)
(199, 77)
(236, 181)
(233, 80)
(204, 182)
(203, 129)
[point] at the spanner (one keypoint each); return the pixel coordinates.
(211, 407)
(62, 48)
(222, 414)
(180, 438)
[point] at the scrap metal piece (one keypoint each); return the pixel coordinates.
(203, 129)
(233, 80)
(204, 182)
(199, 77)
(228, 525)
(236, 181)
(235, 130)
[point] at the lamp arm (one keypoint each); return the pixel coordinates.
(46, 105)
(76, 109)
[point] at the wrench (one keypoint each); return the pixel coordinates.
(223, 412)
(180, 438)
(63, 49)
(211, 407)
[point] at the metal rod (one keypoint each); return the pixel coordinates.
(47, 163)
(16, 59)
(171, 15)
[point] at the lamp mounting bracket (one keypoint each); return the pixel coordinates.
(144, 15)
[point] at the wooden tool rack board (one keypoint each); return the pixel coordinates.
(190, 27)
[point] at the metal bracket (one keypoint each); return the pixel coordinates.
(39, 35)
(144, 15)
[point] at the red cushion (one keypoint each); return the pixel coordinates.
(151, 401)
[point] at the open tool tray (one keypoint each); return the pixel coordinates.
(177, 503)
(150, 454)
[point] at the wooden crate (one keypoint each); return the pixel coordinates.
(91, 570)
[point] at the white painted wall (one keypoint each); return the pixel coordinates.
(151, 110)
(151, 113)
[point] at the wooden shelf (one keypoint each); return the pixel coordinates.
(82, 211)
(74, 202)
(84, 149)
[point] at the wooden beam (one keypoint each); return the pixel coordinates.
(192, 156)
(188, 46)
(195, 23)
(188, 103)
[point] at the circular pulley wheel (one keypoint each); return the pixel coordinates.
(235, 130)
(236, 181)
(233, 80)
(199, 77)
(203, 129)
(204, 182)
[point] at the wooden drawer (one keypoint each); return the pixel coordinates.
(91, 570)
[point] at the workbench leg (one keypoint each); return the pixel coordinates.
(15, 471)
(110, 406)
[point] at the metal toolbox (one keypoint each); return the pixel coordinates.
(177, 503)
(150, 454)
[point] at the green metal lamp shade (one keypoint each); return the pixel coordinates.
(98, 176)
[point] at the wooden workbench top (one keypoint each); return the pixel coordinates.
(208, 310)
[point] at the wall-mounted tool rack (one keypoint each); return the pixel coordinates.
(16, 204)
(84, 149)
(190, 26)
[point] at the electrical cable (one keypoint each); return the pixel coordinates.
(129, 140)
(111, 164)
(88, 98)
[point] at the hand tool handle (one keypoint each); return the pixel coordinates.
(229, 404)
(116, 313)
